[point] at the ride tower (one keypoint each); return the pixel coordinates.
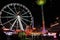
(41, 3)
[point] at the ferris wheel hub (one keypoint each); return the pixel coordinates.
(18, 12)
(18, 17)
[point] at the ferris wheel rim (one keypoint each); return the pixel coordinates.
(18, 4)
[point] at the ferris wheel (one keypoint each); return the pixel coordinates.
(15, 15)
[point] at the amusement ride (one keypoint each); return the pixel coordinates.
(15, 16)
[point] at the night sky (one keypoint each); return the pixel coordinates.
(51, 10)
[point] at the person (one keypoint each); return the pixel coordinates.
(2, 34)
(57, 35)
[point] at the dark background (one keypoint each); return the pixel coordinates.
(51, 10)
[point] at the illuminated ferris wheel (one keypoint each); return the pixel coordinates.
(15, 15)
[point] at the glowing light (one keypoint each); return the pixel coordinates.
(34, 28)
(41, 2)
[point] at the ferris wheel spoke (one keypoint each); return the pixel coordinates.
(7, 17)
(8, 21)
(26, 16)
(24, 13)
(15, 9)
(8, 12)
(11, 10)
(26, 20)
(13, 24)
